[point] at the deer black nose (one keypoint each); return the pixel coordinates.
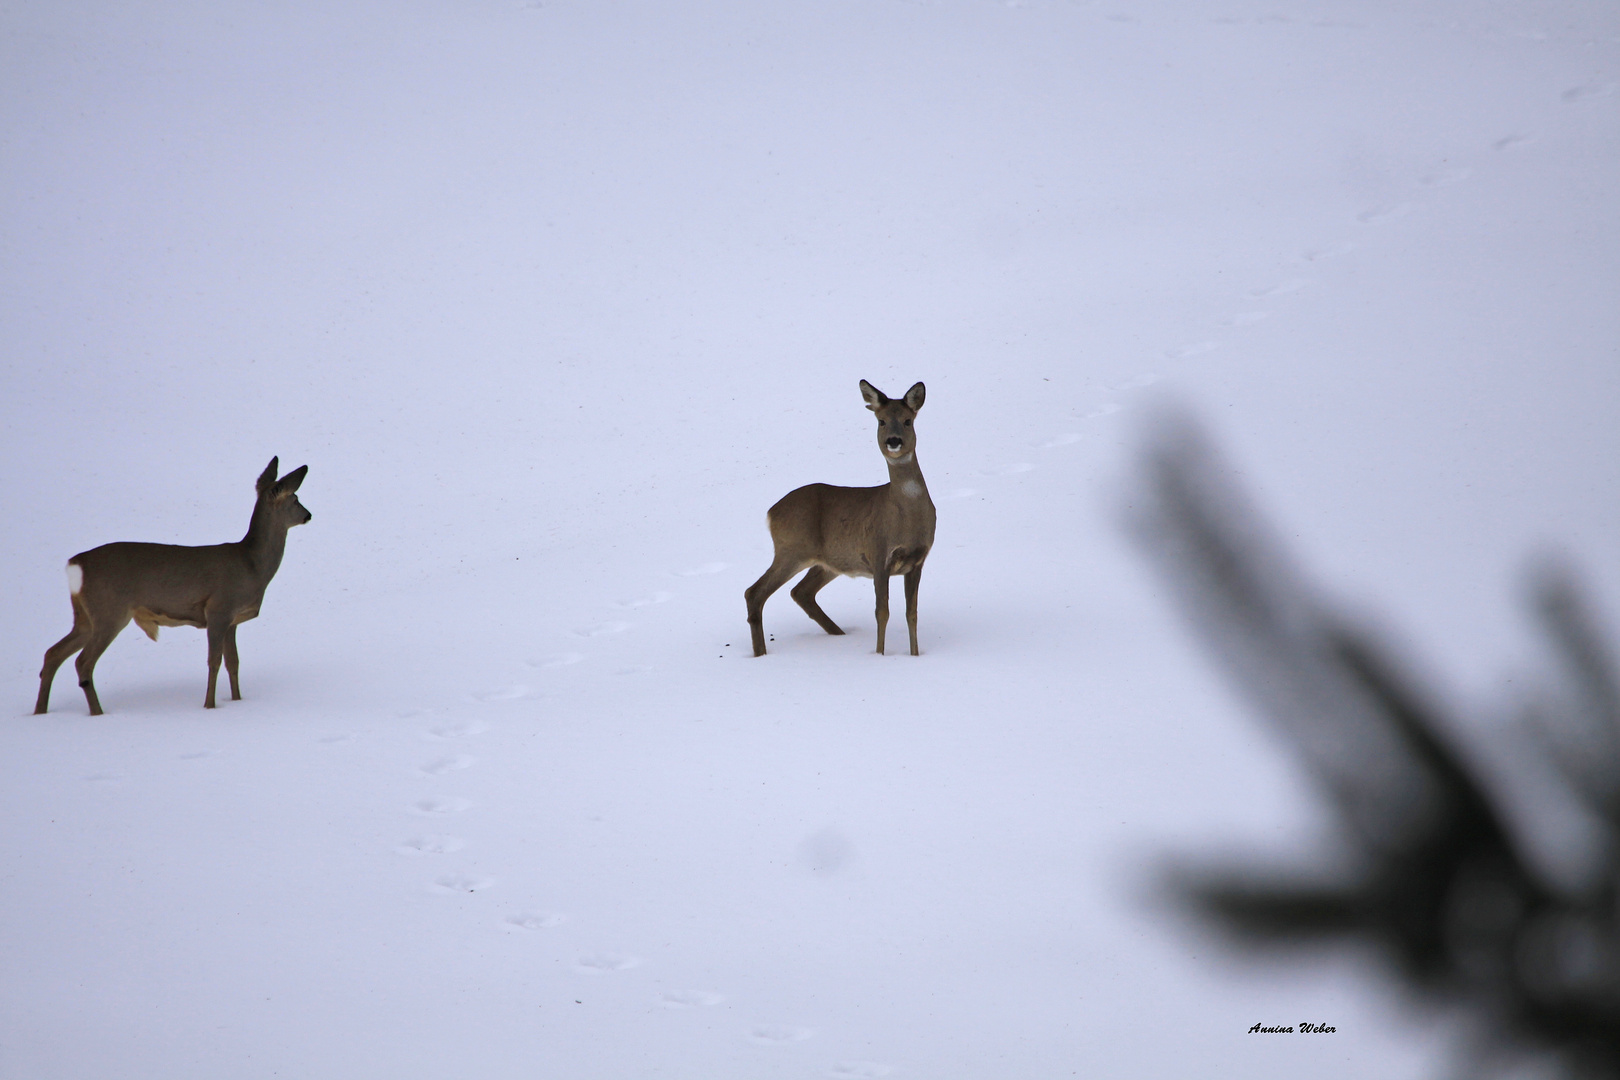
(894, 442)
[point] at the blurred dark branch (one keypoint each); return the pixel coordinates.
(1436, 880)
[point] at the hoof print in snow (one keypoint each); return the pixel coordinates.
(603, 629)
(505, 693)
(456, 729)
(462, 883)
(859, 1070)
(1282, 288)
(1246, 318)
(1446, 176)
(431, 845)
(778, 1034)
(1586, 93)
(688, 999)
(442, 805)
(447, 765)
(647, 601)
(606, 963)
(1332, 251)
(1383, 213)
(557, 660)
(1192, 349)
(536, 920)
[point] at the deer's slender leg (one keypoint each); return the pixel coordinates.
(804, 594)
(881, 581)
(231, 661)
(913, 579)
(100, 638)
(760, 591)
(56, 654)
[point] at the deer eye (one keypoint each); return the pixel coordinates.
(908, 423)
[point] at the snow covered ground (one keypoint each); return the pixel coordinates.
(555, 299)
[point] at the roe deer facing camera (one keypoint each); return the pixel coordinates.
(863, 532)
(212, 588)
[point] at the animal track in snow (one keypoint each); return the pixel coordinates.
(1332, 251)
(1136, 382)
(505, 693)
(603, 629)
(556, 660)
(1446, 176)
(462, 883)
(1587, 92)
(647, 601)
(1384, 213)
(1508, 142)
(778, 1034)
(859, 1070)
(447, 765)
(537, 920)
(1187, 352)
(688, 999)
(1059, 440)
(440, 805)
(455, 729)
(706, 568)
(606, 963)
(198, 755)
(332, 740)
(1246, 318)
(430, 845)
(1282, 288)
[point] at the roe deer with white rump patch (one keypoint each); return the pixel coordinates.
(862, 532)
(212, 588)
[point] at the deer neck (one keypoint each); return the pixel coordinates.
(265, 542)
(906, 478)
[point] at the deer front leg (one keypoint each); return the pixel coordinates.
(913, 579)
(881, 581)
(218, 629)
(236, 687)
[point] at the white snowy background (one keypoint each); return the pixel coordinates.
(555, 299)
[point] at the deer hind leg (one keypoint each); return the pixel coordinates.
(231, 662)
(913, 579)
(58, 653)
(760, 591)
(100, 637)
(804, 594)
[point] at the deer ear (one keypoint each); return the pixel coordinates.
(267, 477)
(289, 483)
(874, 397)
(914, 396)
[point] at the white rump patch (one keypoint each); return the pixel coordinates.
(75, 575)
(911, 489)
